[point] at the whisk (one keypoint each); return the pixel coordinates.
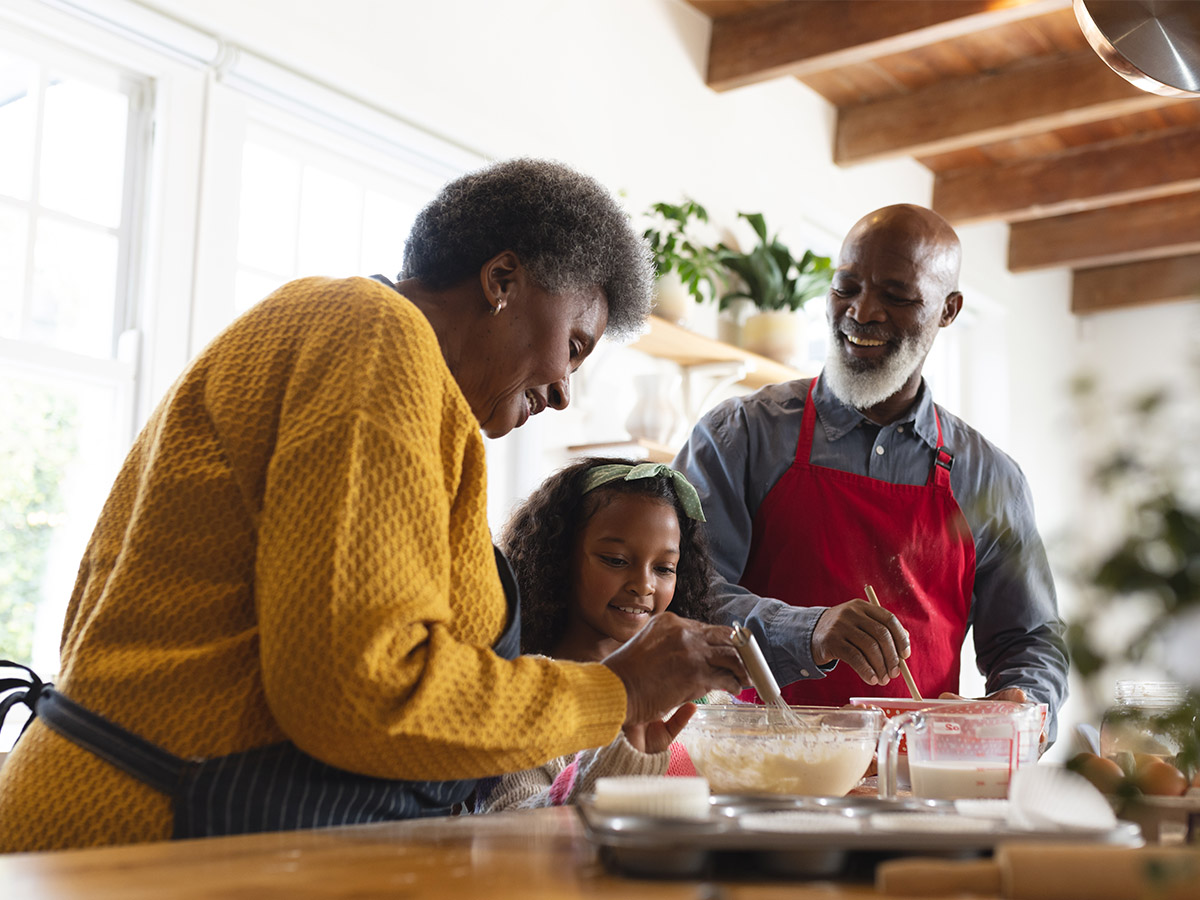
(760, 673)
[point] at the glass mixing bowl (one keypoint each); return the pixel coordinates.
(816, 751)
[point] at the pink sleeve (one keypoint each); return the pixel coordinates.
(564, 785)
(681, 763)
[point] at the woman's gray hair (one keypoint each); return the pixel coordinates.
(565, 227)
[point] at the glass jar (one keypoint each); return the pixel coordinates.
(1135, 723)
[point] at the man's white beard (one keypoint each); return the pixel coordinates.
(863, 384)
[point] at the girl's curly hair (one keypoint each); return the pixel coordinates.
(539, 540)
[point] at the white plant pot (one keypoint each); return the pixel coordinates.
(777, 334)
(732, 319)
(672, 300)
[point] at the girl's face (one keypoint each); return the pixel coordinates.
(622, 571)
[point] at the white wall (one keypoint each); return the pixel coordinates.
(612, 86)
(615, 87)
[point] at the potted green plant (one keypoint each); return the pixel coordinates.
(687, 270)
(778, 284)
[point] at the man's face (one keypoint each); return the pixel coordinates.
(886, 303)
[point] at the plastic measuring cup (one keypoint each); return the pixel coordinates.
(960, 750)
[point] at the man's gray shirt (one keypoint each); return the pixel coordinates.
(741, 448)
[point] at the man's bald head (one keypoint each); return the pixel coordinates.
(917, 232)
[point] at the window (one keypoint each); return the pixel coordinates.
(306, 209)
(154, 182)
(70, 192)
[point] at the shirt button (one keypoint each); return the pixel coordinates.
(804, 673)
(901, 429)
(879, 451)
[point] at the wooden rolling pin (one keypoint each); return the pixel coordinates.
(1051, 872)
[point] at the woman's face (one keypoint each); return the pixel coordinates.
(532, 346)
(623, 569)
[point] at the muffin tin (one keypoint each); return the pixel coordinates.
(804, 837)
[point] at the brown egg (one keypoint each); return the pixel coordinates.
(1141, 760)
(1161, 779)
(1103, 773)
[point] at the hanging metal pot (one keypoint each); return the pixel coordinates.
(1153, 44)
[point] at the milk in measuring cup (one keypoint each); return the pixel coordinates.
(959, 778)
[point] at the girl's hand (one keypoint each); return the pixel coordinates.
(656, 736)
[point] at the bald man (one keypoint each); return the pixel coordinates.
(816, 487)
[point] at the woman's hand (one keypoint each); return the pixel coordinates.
(672, 661)
(656, 736)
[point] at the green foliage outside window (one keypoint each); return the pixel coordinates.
(37, 444)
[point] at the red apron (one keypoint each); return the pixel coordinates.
(821, 535)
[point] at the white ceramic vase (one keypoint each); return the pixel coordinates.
(777, 334)
(657, 414)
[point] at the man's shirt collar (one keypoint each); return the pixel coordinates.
(838, 419)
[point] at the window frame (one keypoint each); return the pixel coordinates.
(50, 56)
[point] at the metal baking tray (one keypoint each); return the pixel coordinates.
(647, 846)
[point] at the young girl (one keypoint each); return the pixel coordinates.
(598, 549)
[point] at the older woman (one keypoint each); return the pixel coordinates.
(289, 613)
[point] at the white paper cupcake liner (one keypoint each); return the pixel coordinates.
(653, 795)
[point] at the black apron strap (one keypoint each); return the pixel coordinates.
(132, 754)
(509, 644)
(23, 689)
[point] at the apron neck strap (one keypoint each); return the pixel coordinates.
(943, 459)
(807, 425)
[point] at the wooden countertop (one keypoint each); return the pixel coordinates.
(530, 855)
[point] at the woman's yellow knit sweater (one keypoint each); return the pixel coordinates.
(297, 548)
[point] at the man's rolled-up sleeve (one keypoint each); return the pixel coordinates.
(1019, 636)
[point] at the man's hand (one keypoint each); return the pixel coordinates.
(867, 638)
(656, 736)
(672, 661)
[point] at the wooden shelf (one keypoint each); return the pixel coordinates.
(654, 452)
(666, 340)
(689, 350)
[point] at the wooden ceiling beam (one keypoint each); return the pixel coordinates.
(1136, 284)
(1141, 168)
(1039, 96)
(806, 36)
(1169, 226)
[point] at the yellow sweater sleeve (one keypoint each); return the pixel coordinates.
(376, 591)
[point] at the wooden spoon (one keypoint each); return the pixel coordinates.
(908, 679)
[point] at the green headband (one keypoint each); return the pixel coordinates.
(688, 498)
